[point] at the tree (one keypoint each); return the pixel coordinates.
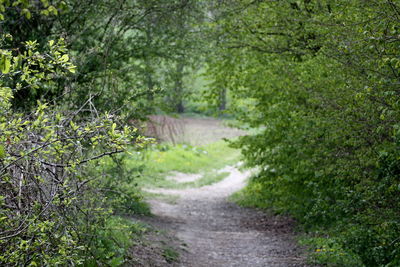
(318, 80)
(50, 213)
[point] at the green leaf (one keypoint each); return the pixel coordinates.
(27, 13)
(2, 152)
(53, 10)
(64, 58)
(5, 65)
(45, 12)
(72, 69)
(45, 3)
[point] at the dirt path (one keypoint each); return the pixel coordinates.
(220, 233)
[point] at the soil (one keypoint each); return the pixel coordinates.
(209, 230)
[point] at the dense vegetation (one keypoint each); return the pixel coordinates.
(58, 202)
(316, 81)
(320, 80)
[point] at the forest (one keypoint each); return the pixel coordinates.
(315, 86)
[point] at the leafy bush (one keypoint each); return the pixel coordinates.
(320, 79)
(118, 183)
(48, 204)
(50, 210)
(112, 241)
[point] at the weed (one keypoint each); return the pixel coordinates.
(170, 254)
(113, 240)
(329, 252)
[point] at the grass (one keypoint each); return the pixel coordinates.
(208, 179)
(162, 160)
(191, 159)
(170, 254)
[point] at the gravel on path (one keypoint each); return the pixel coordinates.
(217, 232)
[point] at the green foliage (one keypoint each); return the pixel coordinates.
(133, 55)
(329, 251)
(319, 79)
(112, 241)
(127, 52)
(58, 122)
(30, 69)
(47, 200)
(51, 211)
(119, 184)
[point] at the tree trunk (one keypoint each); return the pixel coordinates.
(148, 67)
(179, 107)
(222, 100)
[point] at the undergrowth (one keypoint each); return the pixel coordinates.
(113, 241)
(324, 244)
